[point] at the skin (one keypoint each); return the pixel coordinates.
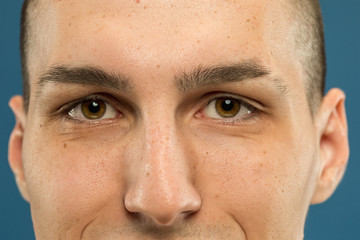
(165, 167)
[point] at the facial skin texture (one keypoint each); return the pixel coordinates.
(163, 166)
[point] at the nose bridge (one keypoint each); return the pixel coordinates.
(163, 155)
(165, 163)
(162, 189)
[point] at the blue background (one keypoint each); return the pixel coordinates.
(337, 219)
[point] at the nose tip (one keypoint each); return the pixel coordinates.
(160, 184)
(162, 209)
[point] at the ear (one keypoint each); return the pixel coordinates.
(333, 144)
(15, 145)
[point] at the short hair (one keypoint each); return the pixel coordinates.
(24, 44)
(309, 40)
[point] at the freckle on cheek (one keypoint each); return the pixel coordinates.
(65, 145)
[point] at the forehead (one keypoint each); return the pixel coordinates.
(138, 32)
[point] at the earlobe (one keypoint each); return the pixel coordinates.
(333, 144)
(15, 145)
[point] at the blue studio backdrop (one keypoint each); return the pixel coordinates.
(337, 219)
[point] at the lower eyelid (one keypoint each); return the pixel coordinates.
(237, 120)
(112, 110)
(70, 111)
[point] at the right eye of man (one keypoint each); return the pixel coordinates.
(93, 109)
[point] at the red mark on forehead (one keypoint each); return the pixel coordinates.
(137, 1)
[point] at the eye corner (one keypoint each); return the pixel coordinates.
(236, 110)
(91, 109)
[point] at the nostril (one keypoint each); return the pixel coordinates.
(159, 211)
(164, 220)
(161, 189)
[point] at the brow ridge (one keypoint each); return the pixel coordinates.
(85, 76)
(205, 76)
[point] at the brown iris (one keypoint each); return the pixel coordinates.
(93, 109)
(227, 107)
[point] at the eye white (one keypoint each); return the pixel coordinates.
(77, 112)
(210, 110)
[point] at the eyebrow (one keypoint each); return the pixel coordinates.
(85, 76)
(207, 76)
(185, 81)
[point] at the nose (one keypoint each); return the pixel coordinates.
(161, 188)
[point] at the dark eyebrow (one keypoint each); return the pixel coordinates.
(206, 76)
(85, 76)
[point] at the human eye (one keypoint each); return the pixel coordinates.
(91, 109)
(228, 108)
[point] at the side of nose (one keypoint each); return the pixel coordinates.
(161, 188)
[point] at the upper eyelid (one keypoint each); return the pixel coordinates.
(241, 99)
(226, 96)
(65, 110)
(256, 111)
(76, 102)
(113, 102)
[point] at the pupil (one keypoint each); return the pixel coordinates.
(94, 107)
(227, 105)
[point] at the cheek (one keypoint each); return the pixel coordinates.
(70, 180)
(260, 183)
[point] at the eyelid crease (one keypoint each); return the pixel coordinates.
(64, 111)
(247, 101)
(233, 120)
(73, 104)
(242, 102)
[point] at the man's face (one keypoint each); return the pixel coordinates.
(203, 133)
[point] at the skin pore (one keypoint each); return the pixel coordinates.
(163, 161)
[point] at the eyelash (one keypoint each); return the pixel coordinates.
(226, 121)
(230, 121)
(65, 110)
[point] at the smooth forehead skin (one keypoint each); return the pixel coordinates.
(136, 30)
(164, 170)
